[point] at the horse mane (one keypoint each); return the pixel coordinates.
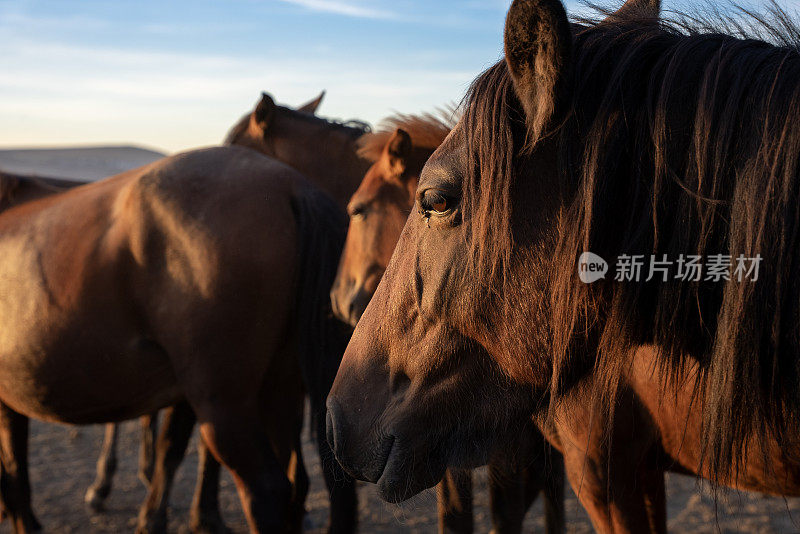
(681, 138)
(427, 130)
(353, 127)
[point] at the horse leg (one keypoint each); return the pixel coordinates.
(618, 498)
(205, 516)
(545, 475)
(553, 493)
(15, 484)
(147, 452)
(298, 476)
(454, 501)
(655, 499)
(507, 492)
(171, 447)
(236, 438)
(341, 486)
(106, 466)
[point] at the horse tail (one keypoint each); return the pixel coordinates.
(321, 338)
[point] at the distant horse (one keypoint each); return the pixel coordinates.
(378, 210)
(17, 188)
(326, 152)
(629, 136)
(198, 281)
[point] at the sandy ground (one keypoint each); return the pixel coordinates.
(63, 462)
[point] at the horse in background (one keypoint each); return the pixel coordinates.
(18, 188)
(146, 266)
(378, 210)
(325, 151)
(624, 136)
(295, 137)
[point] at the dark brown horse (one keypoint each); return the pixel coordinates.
(17, 189)
(627, 136)
(205, 515)
(175, 284)
(378, 210)
(326, 151)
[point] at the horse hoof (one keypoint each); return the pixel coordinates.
(95, 499)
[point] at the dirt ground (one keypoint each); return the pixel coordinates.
(63, 462)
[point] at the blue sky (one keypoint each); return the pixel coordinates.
(175, 74)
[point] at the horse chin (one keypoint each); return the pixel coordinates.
(404, 475)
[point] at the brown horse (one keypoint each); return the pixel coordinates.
(174, 284)
(326, 151)
(378, 210)
(17, 189)
(626, 136)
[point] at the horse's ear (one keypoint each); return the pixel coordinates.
(637, 9)
(398, 149)
(538, 47)
(263, 113)
(311, 107)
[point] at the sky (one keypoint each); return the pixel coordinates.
(176, 74)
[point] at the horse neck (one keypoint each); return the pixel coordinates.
(329, 159)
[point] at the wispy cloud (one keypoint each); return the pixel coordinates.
(344, 8)
(175, 100)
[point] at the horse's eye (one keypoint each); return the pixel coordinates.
(436, 201)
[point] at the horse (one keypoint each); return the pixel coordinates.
(627, 136)
(18, 188)
(175, 284)
(325, 151)
(378, 210)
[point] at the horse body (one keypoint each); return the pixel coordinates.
(85, 273)
(66, 285)
(168, 283)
